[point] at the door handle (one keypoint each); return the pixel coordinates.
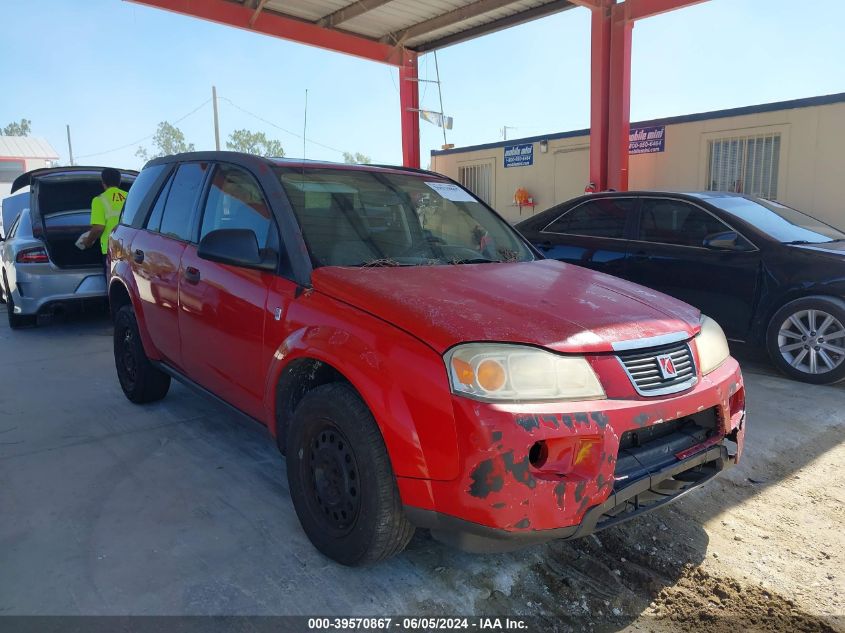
(192, 275)
(138, 256)
(639, 256)
(545, 245)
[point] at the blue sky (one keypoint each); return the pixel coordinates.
(113, 70)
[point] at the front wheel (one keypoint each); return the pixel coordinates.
(806, 339)
(140, 380)
(341, 481)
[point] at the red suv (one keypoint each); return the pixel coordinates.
(418, 362)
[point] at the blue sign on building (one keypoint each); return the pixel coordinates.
(519, 155)
(647, 140)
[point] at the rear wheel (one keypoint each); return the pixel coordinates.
(140, 380)
(341, 481)
(15, 320)
(806, 339)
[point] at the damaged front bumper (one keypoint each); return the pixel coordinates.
(658, 488)
(648, 452)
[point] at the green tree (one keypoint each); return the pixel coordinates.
(254, 143)
(168, 140)
(356, 158)
(18, 129)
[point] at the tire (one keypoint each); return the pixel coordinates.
(140, 380)
(806, 339)
(16, 321)
(341, 481)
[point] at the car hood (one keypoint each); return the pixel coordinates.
(548, 303)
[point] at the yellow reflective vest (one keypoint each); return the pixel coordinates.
(105, 211)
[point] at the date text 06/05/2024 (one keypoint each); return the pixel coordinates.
(417, 623)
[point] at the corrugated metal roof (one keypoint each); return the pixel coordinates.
(415, 24)
(26, 147)
(305, 9)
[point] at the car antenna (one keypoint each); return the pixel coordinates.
(304, 132)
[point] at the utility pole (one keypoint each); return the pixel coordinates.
(216, 120)
(69, 146)
(304, 123)
(440, 94)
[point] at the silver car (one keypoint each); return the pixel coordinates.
(41, 269)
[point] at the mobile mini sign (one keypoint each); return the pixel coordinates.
(647, 140)
(519, 155)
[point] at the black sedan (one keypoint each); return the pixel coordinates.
(770, 275)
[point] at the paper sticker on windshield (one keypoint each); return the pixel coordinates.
(451, 192)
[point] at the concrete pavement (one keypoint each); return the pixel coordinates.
(181, 507)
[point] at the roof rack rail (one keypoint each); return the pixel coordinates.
(411, 169)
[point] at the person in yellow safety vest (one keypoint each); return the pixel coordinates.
(105, 211)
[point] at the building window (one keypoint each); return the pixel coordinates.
(11, 169)
(745, 165)
(478, 178)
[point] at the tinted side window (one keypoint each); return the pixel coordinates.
(179, 209)
(235, 201)
(154, 221)
(603, 217)
(676, 222)
(137, 192)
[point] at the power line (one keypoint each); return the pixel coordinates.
(146, 138)
(279, 127)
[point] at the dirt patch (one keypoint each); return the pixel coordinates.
(699, 600)
(658, 573)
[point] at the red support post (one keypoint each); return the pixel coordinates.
(619, 102)
(409, 100)
(610, 90)
(599, 81)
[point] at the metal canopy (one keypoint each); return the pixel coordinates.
(412, 24)
(397, 32)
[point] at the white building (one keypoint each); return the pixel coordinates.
(19, 154)
(791, 151)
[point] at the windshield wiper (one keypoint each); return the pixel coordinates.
(379, 263)
(802, 242)
(475, 260)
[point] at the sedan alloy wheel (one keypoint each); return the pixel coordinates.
(812, 341)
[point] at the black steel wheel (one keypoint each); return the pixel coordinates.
(140, 380)
(341, 481)
(333, 479)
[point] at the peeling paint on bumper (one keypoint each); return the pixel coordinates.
(499, 489)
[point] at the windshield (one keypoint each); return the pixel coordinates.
(371, 218)
(783, 223)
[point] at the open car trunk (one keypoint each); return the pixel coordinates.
(63, 214)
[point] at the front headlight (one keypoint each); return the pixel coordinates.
(712, 345)
(500, 372)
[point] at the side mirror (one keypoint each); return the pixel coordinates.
(236, 247)
(726, 241)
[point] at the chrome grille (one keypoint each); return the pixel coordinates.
(644, 371)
